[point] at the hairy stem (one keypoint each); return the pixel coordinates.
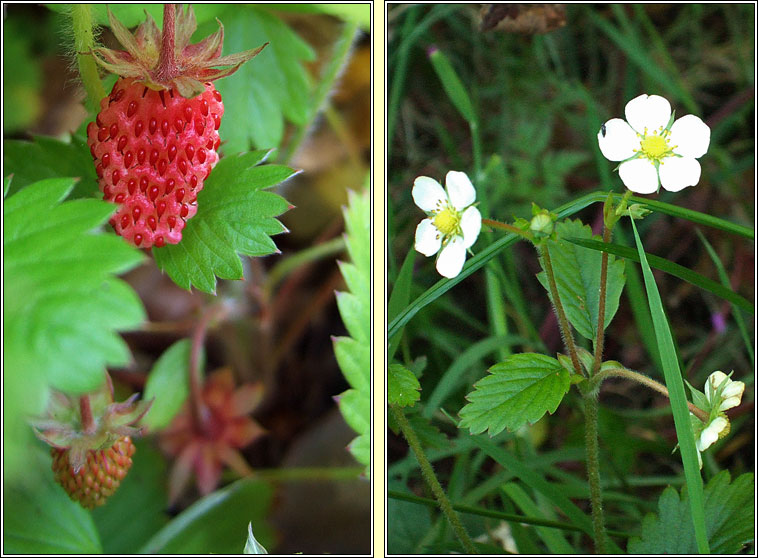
(645, 381)
(601, 305)
(568, 337)
(505, 226)
(84, 41)
(593, 472)
(166, 69)
(85, 411)
(431, 479)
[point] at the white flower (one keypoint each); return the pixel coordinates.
(654, 151)
(732, 391)
(711, 433)
(453, 223)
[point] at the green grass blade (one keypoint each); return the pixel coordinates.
(484, 512)
(401, 293)
(566, 210)
(536, 481)
(452, 85)
(692, 215)
(554, 540)
(725, 281)
(671, 268)
(675, 385)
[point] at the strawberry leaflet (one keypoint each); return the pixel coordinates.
(235, 215)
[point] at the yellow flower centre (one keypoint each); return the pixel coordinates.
(447, 221)
(655, 146)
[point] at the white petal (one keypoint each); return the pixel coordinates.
(428, 193)
(651, 112)
(619, 141)
(711, 433)
(690, 136)
(471, 224)
(639, 176)
(732, 392)
(428, 238)
(451, 259)
(460, 191)
(714, 381)
(679, 172)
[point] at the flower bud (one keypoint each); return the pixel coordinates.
(730, 394)
(541, 224)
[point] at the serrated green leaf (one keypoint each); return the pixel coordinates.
(354, 353)
(355, 314)
(518, 390)
(168, 384)
(577, 275)
(264, 91)
(44, 520)
(729, 518)
(402, 386)
(234, 216)
(358, 230)
(360, 447)
(46, 157)
(356, 408)
(62, 305)
(215, 522)
(354, 359)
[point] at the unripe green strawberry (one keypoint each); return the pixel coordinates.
(156, 139)
(99, 477)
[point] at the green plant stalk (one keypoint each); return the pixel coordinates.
(607, 231)
(84, 41)
(590, 412)
(593, 472)
(431, 479)
(568, 337)
(645, 381)
(326, 84)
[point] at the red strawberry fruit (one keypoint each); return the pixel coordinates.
(156, 139)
